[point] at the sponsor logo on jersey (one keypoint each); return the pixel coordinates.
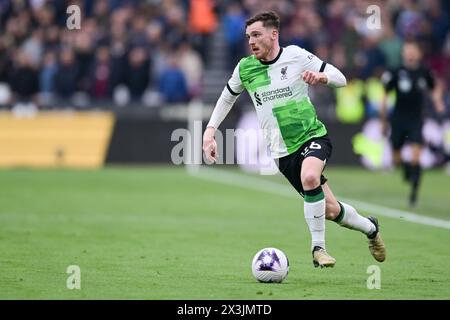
(276, 94)
(257, 99)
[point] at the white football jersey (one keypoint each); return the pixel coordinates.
(280, 96)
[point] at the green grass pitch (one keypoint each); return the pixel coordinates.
(159, 233)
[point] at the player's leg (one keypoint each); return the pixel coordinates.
(398, 135)
(347, 216)
(295, 167)
(314, 209)
(397, 157)
(404, 165)
(416, 172)
(415, 137)
(314, 199)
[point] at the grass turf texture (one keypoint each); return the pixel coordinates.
(158, 233)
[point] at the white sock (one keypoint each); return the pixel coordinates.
(351, 219)
(314, 209)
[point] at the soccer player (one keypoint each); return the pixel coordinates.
(410, 83)
(277, 80)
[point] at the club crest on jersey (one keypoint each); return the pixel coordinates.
(404, 81)
(284, 73)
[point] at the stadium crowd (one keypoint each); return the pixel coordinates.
(156, 51)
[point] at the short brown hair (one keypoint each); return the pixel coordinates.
(268, 18)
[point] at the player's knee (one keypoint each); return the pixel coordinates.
(310, 180)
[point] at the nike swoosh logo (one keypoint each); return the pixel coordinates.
(250, 81)
(319, 216)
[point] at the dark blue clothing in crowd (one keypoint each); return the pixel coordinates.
(173, 86)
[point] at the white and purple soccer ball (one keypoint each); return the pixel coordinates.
(270, 265)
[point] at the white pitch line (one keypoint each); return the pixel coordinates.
(245, 181)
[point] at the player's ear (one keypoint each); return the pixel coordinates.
(274, 34)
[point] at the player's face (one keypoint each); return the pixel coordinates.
(260, 39)
(411, 54)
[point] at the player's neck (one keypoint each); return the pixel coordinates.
(412, 66)
(273, 54)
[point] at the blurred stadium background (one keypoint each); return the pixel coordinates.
(138, 64)
(114, 91)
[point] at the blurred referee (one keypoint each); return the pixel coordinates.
(411, 82)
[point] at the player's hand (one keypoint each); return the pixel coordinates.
(210, 145)
(311, 77)
(441, 109)
(384, 128)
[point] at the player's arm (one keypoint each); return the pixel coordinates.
(316, 71)
(383, 113)
(223, 106)
(331, 76)
(388, 82)
(437, 93)
(437, 96)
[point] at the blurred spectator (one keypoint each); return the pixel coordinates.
(335, 22)
(391, 46)
(191, 66)
(137, 76)
(138, 36)
(440, 24)
(172, 83)
(33, 47)
(202, 23)
(158, 48)
(51, 39)
(101, 69)
(297, 34)
(48, 72)
(44, 15)
(23, 78)
(370, 58)
(175, 28)
(67, 75)
(316, 29)
(84, 47)
(234, 26)
(101, 15)
(5, 59)
(118, 57)
(409, 19)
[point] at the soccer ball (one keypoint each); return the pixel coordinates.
(270, 265)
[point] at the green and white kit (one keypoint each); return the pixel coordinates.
(280, 96)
